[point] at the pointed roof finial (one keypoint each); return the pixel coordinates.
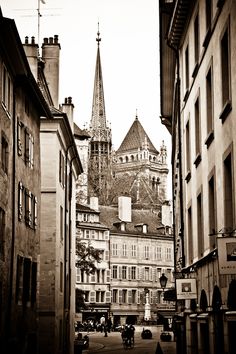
(98, 39)
(136, 114)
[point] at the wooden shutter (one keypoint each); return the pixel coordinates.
(138, 296)
(108, 275)
(108, 297)
(120, 296)
(129, 296)
(92, 296)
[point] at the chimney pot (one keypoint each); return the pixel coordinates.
(65, 100)
(26, 40)
(55, 38)
(50, 40)
(32, 40)
(69, 100)
(45, 40)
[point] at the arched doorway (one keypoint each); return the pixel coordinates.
(218, 321)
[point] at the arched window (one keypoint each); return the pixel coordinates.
(216, 299)
(126, 159)
(203, 301)
(121, 160)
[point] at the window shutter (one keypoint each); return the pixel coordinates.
(106, 234)
(129, 296)
(78, 275)
(19, 138)
(107, 255)
(28, 207)
(150, 273)
(108, 275)
(120, 296)
(35, 221)
(20, 201)
(120, 272)
(27, 147)
(138, 275)
(138, 296)
(151, 296)
(31, 151)
(108, 297)
(154, 297)
(92, 296)
(129, 273)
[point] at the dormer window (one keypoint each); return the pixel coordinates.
(121, 225)
(142, 228)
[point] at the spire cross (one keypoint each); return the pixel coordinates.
(136, 113)
(98, 39)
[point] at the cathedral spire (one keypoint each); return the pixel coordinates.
(98, 125)
(100, 132)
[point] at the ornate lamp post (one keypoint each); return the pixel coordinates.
(163, 281)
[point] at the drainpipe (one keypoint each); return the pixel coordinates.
(66, 318)
(9, 304)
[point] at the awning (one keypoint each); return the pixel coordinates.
(230, 315)
(203, 317)
(122, 313)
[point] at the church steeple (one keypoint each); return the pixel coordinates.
(100, 144)
(98, 124)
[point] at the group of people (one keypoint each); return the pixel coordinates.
(127, 335)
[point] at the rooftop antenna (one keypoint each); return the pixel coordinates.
(39, 15)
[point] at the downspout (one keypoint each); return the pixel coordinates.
(11, 277)
(66, 317)
(70, 198)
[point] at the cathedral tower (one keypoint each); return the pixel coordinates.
(139, 169)
(100, 144)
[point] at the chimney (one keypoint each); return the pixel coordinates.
(31, 51)
(68, 108)
(93, 203)
(124, 208)
(50, 55)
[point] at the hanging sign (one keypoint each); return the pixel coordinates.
(227, 255)
(186, 289)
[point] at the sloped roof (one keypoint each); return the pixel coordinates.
(81, 133)
(109, 216)
(85, 208)
(135, 138)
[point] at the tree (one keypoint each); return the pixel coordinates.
(87, 259)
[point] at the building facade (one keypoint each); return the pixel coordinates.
(95, 286)
(135, 255)
(59, 171)
(197, 103)
(22, 105)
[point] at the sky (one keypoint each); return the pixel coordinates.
(129, 52)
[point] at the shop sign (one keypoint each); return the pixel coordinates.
(186, 289)
(227, 255)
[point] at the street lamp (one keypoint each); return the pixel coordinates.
(163, 280)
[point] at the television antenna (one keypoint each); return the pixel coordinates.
(39, 15)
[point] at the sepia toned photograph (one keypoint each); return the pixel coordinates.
(117, 176)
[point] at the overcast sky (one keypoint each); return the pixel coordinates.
(129, 56)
